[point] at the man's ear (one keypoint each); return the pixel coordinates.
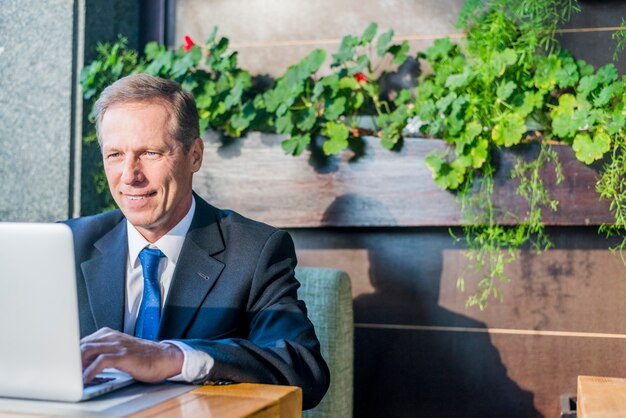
(196, 154)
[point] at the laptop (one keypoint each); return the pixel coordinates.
(39, 329)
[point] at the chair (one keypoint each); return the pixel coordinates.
(328, 297)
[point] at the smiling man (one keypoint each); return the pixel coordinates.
(171, 287)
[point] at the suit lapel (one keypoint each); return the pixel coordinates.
(196, 271)
(105, 278)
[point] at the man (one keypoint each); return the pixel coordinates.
(171, 287)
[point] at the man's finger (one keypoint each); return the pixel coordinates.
(90, 350)
(103, 361)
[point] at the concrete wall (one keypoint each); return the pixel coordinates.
(37, 68)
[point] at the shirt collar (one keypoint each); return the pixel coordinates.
(170, 244)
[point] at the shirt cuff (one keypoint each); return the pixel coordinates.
(196, 364)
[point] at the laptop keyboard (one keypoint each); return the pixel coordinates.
(98, 381)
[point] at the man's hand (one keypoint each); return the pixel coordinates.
(146, 361)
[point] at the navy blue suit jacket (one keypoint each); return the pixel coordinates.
(233, 296)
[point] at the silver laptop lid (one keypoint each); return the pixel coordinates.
(40, 351)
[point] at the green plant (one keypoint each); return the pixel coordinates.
(302, 106)
(511, 46)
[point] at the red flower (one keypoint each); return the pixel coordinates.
(360, 77)
(188, 43)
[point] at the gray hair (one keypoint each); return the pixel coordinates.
(184, 121)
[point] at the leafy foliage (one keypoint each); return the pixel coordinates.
(302, 106)
(502, 82)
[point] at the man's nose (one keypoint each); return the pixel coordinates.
(131, 173)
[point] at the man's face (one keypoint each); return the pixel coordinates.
(148, 173)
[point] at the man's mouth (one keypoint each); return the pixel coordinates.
(140, 196)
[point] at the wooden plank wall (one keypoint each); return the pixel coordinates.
(419, 351)
(377, 187)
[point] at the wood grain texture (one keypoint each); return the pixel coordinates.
(239, 400)
(378, 188)
(601, 397)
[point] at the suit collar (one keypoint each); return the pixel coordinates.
(105, 278)
(205, 229)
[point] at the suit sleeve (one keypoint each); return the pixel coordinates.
(281, 346)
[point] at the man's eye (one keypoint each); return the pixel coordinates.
(151, 154)
(113, 155)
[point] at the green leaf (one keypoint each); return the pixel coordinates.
(204, 98)
(471, 131)
(446, 176)
(399, 52)
(161, 64)
(586, 85)
(509, 130)
(315, 60)
(479, 153)
(504, 90)
(607, 74)
(369, 33)
(153, 49)
(296, 144)
(306, 119)
(383, 41)
(240, 122)
(440, 49)
(426, 111)
(359, 98)
(443, 103)
(284, 124)
(182, 65)
(328, 83)
(434, 161)
(337, 134)
(568, 75)
(204, 123)
(457, 81)
(501, 60)
(346, 50)
(605, 95)
(546, 75)
(563, 124)
(588, 150)
(348, 83)
(335, 108)
(361, 63)
(615, 122)
(584, 68)
(389, 137)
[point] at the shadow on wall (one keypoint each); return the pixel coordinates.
(411, 372)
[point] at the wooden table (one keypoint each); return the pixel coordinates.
(228, 401)
(240, 400)
(601, 397)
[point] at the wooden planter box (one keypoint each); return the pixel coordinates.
(380, 188)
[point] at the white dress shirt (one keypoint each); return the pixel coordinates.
(196, 364)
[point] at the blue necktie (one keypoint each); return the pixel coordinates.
(149, 315)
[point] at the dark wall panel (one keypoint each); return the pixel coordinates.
(420, 352)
